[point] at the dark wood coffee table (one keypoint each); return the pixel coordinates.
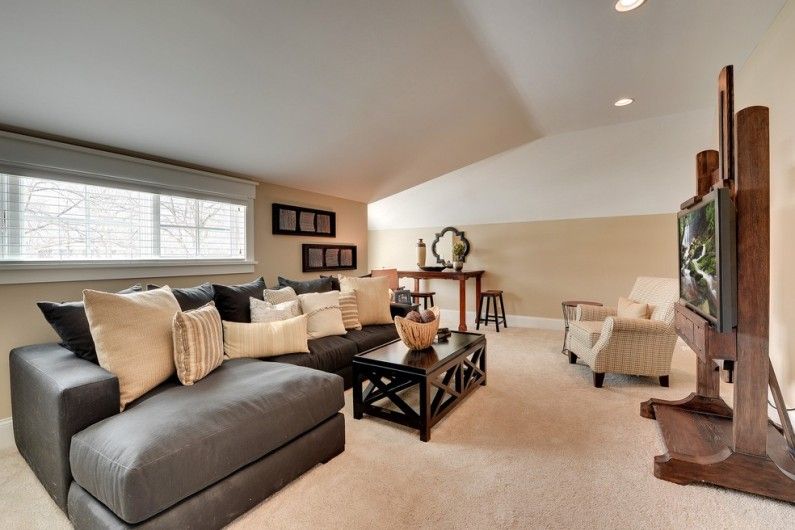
(445, 374)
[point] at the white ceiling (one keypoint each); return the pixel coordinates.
(356, 98)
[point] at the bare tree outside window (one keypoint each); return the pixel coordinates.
(55, 220)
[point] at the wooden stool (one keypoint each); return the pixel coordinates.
(424, 296)
(489, 296)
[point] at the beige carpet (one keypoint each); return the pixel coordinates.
(537, 447)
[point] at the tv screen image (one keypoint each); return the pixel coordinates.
(698, 273)
(707, 260)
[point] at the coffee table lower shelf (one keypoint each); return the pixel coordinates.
(442, 386)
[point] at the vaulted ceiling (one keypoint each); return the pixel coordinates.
(356, 98)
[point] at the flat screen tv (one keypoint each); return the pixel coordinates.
(708, 259)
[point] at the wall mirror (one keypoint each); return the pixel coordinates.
(442, 246)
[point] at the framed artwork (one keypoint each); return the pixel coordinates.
(318, 258)
(299, 221)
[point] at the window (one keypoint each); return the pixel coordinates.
(46, 220)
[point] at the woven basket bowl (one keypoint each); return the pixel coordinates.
(418, 335)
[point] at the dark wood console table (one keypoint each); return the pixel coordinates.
(461, 277)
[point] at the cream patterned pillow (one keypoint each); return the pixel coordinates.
(350, 312)
(265, 339)
(372, 298)
(631, 309)
(278, 296)
(198, 343)
(118, 324)
(324, 317)
(267, 312)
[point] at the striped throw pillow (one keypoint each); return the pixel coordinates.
(265, 339)
(198, 343)
(350, 311)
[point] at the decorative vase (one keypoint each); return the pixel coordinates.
(458, 265)
(421, 253)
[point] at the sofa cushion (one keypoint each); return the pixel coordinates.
(585, 331)
(69, 321)
(319, 285)
(332, 353)
(177, 440)
(370, 337)
(232, 301)
(190, 298)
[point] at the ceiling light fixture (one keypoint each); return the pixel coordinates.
(623, 102)
(628, 5)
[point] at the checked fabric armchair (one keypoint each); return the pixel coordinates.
(633, 346)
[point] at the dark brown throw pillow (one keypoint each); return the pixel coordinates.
(190, 298)
(232, 300)
(320, 285)
(69, 321)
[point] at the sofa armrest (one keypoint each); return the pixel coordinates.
(54, 395)
(401, 310)
(638, 325)
(593, 312)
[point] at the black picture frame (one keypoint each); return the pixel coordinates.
(403, 296)
(289, 220)
(318, 257)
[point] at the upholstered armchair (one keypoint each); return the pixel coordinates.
(634, 346)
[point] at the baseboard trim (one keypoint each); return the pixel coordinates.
(450, 319)
(6, 434)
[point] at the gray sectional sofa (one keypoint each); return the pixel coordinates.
(180, 456)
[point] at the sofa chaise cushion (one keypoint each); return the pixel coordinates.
(333, 353)
(178, 440)
(370, 337)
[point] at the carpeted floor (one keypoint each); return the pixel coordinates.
(537, 447)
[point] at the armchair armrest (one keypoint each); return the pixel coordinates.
(54, 395)
(638, 325)
(593, 312)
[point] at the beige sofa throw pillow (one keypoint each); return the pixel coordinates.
(350, 311)
(198, 343)
(134, 338)
(324, 316)
(267, 312)
(372, 298)
(265, 339)
(631, 309)
(279, 296)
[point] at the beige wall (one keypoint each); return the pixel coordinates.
(768, 78)
(21, 322)
(538, 264)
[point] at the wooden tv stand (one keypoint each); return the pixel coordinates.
(707, 440)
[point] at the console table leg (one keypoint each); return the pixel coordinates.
(357, 394)
(462, 305)
(425, 411)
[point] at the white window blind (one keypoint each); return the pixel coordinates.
(57, 220)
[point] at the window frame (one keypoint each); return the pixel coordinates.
(134, 174)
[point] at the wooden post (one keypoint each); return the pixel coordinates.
(726, 122)
(707, 168)
(753, 281)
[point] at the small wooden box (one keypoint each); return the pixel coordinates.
(700, 335)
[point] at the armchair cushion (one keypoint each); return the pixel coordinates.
(593, 312)
(637, 325)
(585, 332)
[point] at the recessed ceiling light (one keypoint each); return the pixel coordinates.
(623, 102)
(628, 5)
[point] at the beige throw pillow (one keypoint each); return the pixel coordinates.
(631, 309)
(279, 296)
(267, 312)
(324, 317)
(350, 311)
(134, 338)
(265, 339)
(198, 343)
(372, 298)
